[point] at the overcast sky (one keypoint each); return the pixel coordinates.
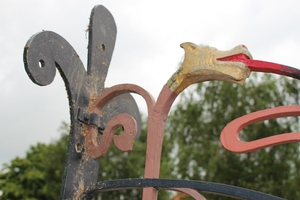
(147, 50)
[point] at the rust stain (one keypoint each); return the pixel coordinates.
(92, 100)
(84, 131)
(80, 189)
(85, 128)
(85, 155)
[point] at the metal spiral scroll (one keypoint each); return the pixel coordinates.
(124, 141)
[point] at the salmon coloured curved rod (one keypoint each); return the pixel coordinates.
(263, 66)
(231, 132)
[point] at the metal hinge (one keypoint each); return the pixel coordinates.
(91, 119)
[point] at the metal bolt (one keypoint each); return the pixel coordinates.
(78, 147)
(103, 47)
(86, 116)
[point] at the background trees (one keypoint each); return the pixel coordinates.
(39, 174)
(191, 147)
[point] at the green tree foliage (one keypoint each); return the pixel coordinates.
(39, 174)
(191, 147)
(195, 126)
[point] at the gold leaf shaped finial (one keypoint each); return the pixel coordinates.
(201, 64)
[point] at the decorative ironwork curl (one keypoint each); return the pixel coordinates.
(46, 50)
(230, 134)
(96, 150)
(116, 90)
(124, 142)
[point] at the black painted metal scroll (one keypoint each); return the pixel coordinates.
(46, 51)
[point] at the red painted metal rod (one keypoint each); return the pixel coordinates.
(263, 66)
(230, 134)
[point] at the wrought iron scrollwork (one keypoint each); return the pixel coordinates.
(47, 51)
(114, 107)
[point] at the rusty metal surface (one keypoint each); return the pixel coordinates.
(46, 51)
(124, 141)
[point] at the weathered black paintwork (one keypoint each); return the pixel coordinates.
(166, 184)
(46, 51)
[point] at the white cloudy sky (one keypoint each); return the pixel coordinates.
(147, 51)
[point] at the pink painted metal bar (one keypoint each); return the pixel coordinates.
(230, 134)
(156, 126)
(125, 142)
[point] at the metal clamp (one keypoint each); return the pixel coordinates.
(91, 119)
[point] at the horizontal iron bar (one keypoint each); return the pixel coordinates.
(168, 184)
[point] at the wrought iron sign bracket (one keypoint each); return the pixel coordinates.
(47, 51)
(94, 109)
